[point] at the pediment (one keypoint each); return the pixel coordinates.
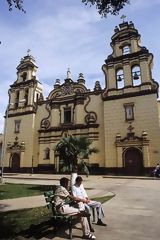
(69, 88)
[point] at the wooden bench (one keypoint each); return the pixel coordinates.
(57, 217)
(68, 219)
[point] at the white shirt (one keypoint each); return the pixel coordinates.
(79, 191)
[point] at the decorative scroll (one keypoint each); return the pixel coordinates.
(45, 123)
(91, 117)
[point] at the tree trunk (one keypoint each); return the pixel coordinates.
(73, 178)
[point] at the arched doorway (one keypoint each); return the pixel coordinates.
(15, 163)
(133, 162)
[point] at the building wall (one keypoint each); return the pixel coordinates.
(49, 139)
(1, 143)
(98, 114)
(25, 136)
(145, 118)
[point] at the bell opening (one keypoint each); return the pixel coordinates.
(119, 79)
(135, 76)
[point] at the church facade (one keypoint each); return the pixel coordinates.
(122, 119)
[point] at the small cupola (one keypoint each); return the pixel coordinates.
(27, 68)
(69, 76)
(26, 91)
(57, 83)
(125, 39)
(81, 79)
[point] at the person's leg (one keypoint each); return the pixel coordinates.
(66, 209)
(85, 226)
(98, 206)
(81, 206)
(100, 213)
(88, 210)
(86, 229)
(69, 210)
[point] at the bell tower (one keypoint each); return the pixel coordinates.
(21, 115)
(128, 69)
(130, 102)
(26, 90)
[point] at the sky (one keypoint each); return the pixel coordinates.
(66, 34)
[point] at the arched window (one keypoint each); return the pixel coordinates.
(17, 126)
(136, 75)
(26, 97)
(24, 76)
(37, 97)
(16, 98)
(47, 153)
(67, 115)
(126, 49)
(120, 78)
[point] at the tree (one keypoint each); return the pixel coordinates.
(103, 6)
(72, 148)
(107, 6)
(15, 3)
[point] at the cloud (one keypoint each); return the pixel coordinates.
(144, 4)
(55, 41)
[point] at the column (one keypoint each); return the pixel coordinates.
(30, 96)
(119, 157)
(127, 75)
(146, 159)
(145, 76)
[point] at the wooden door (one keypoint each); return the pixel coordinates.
(133, 162)
(15, 166)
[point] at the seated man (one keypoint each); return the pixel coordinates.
(60, 195)
(79, 191)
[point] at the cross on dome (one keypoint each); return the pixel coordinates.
(69, 73)
(123, 18)
(28, 51)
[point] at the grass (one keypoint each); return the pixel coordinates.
(23, 222)
(34, 223)
(103, 199)
(10, 190)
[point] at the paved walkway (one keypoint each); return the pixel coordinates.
(37, 201)
(21, 203)
(133, 213)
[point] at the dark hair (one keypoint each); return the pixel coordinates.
(64, 181)
(79, 179)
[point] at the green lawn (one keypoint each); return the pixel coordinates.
(103, 199)
(24, 223)
(9, 190)
(28, 223)
(31, 224)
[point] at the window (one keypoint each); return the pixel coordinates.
(47, 153)
(67, 115)
(136, 75)
(129, 113)
(16, 98)
(126, 50)
(120, 78)
(26, 97)
(17, 126)
(24, 76)
(37, 97)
